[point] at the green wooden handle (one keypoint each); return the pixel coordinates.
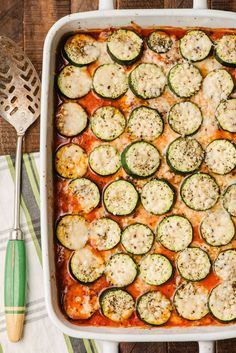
(15, 288)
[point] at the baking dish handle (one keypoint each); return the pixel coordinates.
(200, 4)
(107, 347)
(206, 346)
(106, 5)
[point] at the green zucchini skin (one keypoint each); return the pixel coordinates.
(121, 270)
(230, 189)
(222, 296)
(197, 34)
(125, 163)
(126, 62)
(212, 149)
(126, 236)
(226, 121)
(165, 42)
(155, 261)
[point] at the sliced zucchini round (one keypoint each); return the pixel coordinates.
(154, 308)
(86, 266)
(222, 301)
(137, 238)
(225, 265)
(104, 234)
(145, 123)
(221, 156)
(229, 199)
(158, 196)
(190, 301)
(74, 82)
(71, 119)
(226, 50)
(195, 45)
(218, 85)
(193, 264)
(217, 228)
(185, 118)
(107, 123)
(140, 159)
(120, 198)
(86, 192)
(184, 155)
(121, 270)
(226, 115)
(116, 304)
(80, 302)
(81, 49)
(124, 46)
(110, 81)
(104, 160)
(175, 232)
(147, 81)
(199, 191)
(155, 269)
(184, 80)
(159, 42)
(71, 161)
(72, 231)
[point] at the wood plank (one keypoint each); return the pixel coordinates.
(140, 4)
(39, 16)
(225, 5)
(81, 5)
(154, 347)
(226, 346)
(182, 347)
(178, 4)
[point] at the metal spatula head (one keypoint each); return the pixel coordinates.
(19, 87)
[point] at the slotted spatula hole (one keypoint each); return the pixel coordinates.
(12, 89)
(36, 91)
(27, 77)
(13, 99)
(31, 109)
(13, 111)
(27, 87)
(7, 108)
(29, 98)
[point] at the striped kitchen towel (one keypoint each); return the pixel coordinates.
(40, 335)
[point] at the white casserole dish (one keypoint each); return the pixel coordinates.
(200, 16)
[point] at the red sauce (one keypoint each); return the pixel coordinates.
(66, 203)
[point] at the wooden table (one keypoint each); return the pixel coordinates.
(27, 22)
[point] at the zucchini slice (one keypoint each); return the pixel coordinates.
(86, 266)
(217, 228)
(229, 199)
(137, 238)
(222, 301)
(147, 81)
(81, 49)
(175, 232)
(158, 196)
(155, 269)
(110, 81)
(185, 118)
(86, 192)
(225, 265)
(107, 123)
(71, 119)
(184, 80)
(71, 161)
(159, 42)
(190, 301)
(193, 264)
(121, 270)
(74, 82)
(145, 123)
(124, 46)
(218, 85)
(104, 160)
(72, 231)
(226, 115)
(80, 302)
(199, 191)
(140, 159)
(116, 304)
(221, 156)
(104, 234)
(184, 155)
(195, 45)
(226, 50)
(154, 308)
(120, 198)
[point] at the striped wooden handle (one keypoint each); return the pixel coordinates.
(15, 288)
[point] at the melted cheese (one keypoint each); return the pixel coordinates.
(217, 85)
(193, 264)
(72, 232)
(71, 119)
(104, 233)
(221, 156)
(225, 265)
(86, 192)
(222, 301)
(120, 270)
(229, 200)
(117, 305)
(155, 269)
(137, 238)
(104, 160)
(185, 79)
(74, 82)
(71, 161)
(226, 115)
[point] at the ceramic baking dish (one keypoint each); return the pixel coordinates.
(106, 16)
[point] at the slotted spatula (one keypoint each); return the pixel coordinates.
(19, 105)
